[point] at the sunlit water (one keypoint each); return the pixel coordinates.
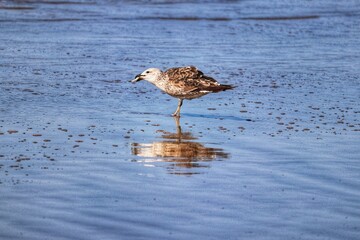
(84, 154)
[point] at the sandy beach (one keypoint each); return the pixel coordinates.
(85, 154)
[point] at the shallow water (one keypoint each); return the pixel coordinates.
(84, 154)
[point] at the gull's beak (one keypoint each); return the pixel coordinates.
(137, 78)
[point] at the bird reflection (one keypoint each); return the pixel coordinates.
(183, 155)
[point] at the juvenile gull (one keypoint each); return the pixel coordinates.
(182, 83)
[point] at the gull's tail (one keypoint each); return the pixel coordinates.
(219, 88)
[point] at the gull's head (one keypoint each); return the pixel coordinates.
(150, 75)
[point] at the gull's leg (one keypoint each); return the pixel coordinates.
(177, 112)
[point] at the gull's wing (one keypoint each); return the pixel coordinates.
(190, 79)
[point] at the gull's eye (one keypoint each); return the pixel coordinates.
(147, 72)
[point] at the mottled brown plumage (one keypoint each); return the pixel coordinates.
(182, 83)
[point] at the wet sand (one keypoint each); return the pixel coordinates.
(84, 154)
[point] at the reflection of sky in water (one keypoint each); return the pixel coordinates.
(288, 134)
(180, 150)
